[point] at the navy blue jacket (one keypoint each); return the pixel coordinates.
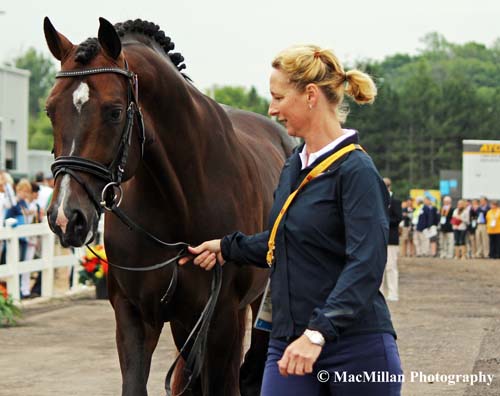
(331, 249)
(427, 218)
(395, 217)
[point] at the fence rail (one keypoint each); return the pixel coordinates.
(49, 260)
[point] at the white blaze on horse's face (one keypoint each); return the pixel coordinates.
(62, 220)
(81, 96)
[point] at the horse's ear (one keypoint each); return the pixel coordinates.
(58, 44)
(109, 39)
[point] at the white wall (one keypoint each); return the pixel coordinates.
(14, 94)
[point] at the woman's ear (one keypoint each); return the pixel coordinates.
(312, 95)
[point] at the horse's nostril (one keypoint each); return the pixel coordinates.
(78, 221)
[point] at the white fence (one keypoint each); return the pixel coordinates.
(47, 263)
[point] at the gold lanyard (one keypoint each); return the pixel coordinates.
(317, 170)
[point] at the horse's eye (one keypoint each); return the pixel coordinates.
(116, 114)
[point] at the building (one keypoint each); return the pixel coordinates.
(480, 168)
(14, 94)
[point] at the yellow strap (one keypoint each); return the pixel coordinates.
(317, 170)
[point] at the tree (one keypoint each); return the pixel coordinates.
(427, 104)
(240, 97)
(43, 72)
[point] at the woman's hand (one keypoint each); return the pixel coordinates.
(206, 255)
(299, 357)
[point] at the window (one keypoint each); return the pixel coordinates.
(10, 155)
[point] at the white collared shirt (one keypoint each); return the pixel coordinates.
(330, 146)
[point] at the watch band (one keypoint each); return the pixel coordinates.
(315, 337)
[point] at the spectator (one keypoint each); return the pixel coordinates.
(421, 242)
(45, 193)
(493, 221)
(411, 243)
(446, 237)
(460, 222)
(482, 236)
(405, 239)
(427, 228)
(35, 216)
(471, 230)
(19, 212)
(7, 200)
(390, 278)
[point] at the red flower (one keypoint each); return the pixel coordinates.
(90, 266)
(104, 267)
(3, 291)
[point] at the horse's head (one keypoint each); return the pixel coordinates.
(94, 114)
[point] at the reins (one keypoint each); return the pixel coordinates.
(113, 175)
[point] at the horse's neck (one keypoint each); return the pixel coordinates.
(191, 132)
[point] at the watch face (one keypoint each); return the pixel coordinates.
(315, 337)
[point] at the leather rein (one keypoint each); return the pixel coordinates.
(111, 197)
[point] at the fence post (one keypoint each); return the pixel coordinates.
(48, 270)
(12, 261)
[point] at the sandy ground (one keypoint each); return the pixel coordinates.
(447, 319)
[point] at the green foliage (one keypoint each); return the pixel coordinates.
(426, 105)
(40, 132)
(42, 77)
(8, 311)
(240, 97)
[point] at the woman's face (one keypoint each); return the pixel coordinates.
(288, 105)
(23, 193)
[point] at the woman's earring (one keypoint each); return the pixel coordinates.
(310, 106)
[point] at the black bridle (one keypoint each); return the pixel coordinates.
(113, 176)
(113, 173)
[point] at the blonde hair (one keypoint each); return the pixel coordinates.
(306, 64)
(24, 184)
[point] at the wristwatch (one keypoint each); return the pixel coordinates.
(315, 337)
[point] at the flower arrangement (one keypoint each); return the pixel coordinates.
(8, 311)
(94, 268)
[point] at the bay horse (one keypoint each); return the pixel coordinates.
(186, 169)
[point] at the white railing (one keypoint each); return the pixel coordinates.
(47, 263)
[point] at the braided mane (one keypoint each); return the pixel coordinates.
(88, 49)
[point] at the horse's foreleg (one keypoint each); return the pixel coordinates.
(221, 369)
(136, 341)
(252, 369)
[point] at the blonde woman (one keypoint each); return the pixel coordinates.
(328, 248)
(460, 222)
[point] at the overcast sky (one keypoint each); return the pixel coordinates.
(232, 42)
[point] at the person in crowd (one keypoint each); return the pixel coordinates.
(460, 222)
(471, 230)
(36, 214)
(422, 246)
(493, 223)
(404, 240)
(44, 194)
(411, 237)
(390, 280)
(329, 248)
(19, 214)
(482, 236)
(446, 237)
(427, 228)
(433, 221)
(7, 200)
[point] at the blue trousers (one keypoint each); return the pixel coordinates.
(361, 365)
